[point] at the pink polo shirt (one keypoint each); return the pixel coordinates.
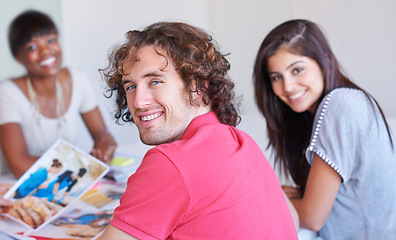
(213, 183)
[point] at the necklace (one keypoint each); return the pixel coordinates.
(37, 113)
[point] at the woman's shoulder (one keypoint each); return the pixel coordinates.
(8, 81)
(347, 106)
(72, 71)
(10, 85)
(341, 94)
(77, 75)
(346, 100)
(13, 101)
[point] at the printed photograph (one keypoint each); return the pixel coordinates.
(62, 175)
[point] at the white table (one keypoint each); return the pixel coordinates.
(305, 234)
(139, 148)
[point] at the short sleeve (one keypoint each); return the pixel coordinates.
(83, 90)
(155, 201)
(9, 110)
(337, 130)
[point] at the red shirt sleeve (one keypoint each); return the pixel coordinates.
(155, 201)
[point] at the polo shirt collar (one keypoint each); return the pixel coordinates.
(198, 122)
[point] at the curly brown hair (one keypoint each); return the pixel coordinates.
(195, 57)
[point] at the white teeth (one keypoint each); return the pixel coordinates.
(297, 95)
(48, 61)
(149, 117)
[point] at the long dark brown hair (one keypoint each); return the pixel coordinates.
(289, 132)
(195, 57)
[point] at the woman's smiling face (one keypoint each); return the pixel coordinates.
(297, 80)
(42, 56)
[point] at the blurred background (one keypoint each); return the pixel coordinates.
(362, 34)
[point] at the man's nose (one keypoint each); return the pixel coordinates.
(142, 97)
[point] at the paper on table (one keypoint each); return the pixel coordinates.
(42, 194)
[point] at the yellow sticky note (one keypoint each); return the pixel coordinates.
(120, 161)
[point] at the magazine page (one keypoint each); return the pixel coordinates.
(88, 217)
(57, 179)
(5, 235)
(82, 222)
(9, 229)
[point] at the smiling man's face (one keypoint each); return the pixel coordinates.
(157, 98)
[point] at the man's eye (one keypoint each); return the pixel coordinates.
(130, 87)
(155, 82)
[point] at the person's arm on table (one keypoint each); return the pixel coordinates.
(104, 144)
(15, 150)
(321, 191)
(114, 233)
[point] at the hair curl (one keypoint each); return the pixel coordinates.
(195, 58)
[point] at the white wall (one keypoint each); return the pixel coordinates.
(92, 27)
(9, 10)
(361, 32)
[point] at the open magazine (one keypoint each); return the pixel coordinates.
(52, 186)
(87, 218)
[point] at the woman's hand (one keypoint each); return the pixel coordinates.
(104, 147)
(4, 203)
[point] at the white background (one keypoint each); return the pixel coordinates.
(362, 34)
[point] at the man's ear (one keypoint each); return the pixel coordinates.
(197, 94)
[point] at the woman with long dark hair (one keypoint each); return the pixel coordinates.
(330, 135)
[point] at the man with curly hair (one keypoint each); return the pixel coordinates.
(205, 179)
